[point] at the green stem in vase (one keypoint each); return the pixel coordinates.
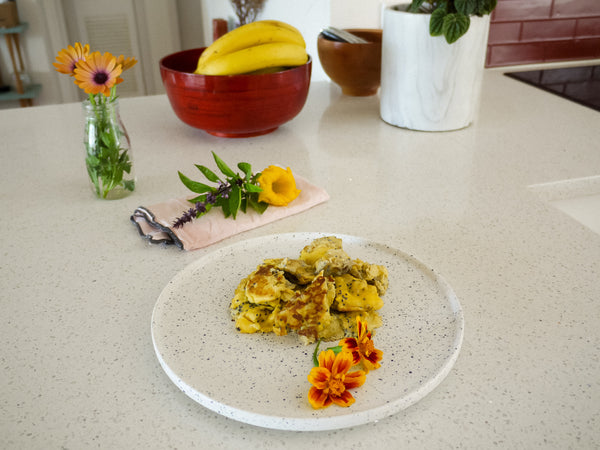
(107, 160)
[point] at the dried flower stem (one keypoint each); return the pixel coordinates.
(247, 10)
(201, 208)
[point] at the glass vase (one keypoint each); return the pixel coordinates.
(107, 149)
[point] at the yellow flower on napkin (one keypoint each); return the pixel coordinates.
(278, 186)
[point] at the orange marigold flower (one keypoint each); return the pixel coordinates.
(331, 380)
(67, 58)
(98, 73)
(278, 186)
(362, 347)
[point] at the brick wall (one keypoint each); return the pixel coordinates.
(535, 31)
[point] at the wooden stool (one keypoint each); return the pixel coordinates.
(12, 40)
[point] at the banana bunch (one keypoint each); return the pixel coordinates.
(257, 47)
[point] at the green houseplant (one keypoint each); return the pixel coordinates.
(451, 18)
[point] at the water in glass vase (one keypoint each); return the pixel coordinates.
(108, 151)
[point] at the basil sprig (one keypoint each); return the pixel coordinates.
(234, 191)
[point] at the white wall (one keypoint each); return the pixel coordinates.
(358, 13)
(195, 22)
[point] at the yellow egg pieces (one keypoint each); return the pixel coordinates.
(317, 296)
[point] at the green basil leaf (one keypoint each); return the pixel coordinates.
(455, 25)
(436, 23)
(235, 198)
(252, 187)
(200, 198)
(93, 160)
(194, 186)
(223, 167)
(246, 168)
(105, 138)
(129, 185)
(123, 157)
(225, 207)
(209, 174)
(117, 176)
(257, 206)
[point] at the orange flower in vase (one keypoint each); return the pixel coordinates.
(108, 152)
(98, 73)
(67, 58)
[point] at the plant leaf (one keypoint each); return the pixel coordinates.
(455, 25)
(257, 206)
(466, 7)
(235, 198)
(414, 7)
(129, 185)
(194, 186)
(336, 349)
(200, 198)
(252, 187)
(486, 7)
(246, 168)
(209, 174)
(223, 167)
(436, 23)
(223, 203)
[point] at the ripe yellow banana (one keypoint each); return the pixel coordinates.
(252, 34)
(255, 58)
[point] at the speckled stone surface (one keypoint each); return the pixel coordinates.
(79, 285)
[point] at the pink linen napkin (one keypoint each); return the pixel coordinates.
(155, 223)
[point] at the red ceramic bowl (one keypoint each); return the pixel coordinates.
(233, 105)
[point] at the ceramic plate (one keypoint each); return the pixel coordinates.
(261, 379)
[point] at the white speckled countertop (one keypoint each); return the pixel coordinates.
(78, 284)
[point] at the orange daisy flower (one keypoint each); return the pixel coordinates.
(98, 73)
(67, 58)
(331, 380)
(362, 347)
(126, 63)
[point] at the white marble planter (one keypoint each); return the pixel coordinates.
(426, 83)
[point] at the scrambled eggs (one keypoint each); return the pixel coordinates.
(317, 296)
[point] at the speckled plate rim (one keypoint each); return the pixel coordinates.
(345, 419)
